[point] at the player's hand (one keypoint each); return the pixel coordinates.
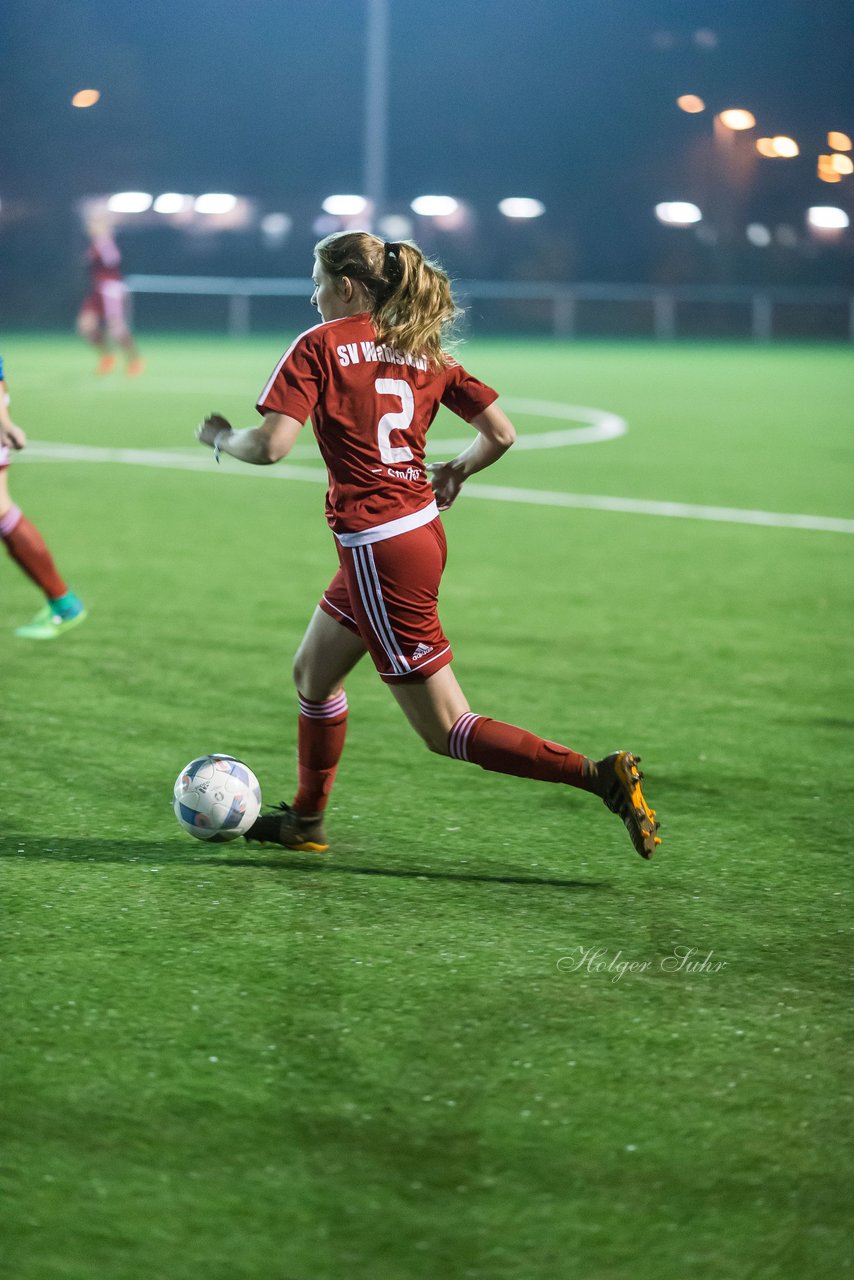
(447, 480)
(207, 431)
(12, 435)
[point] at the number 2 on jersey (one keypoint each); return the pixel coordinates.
(395, 421)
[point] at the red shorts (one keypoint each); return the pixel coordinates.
(388, 593)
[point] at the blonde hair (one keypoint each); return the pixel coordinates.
(411, 303)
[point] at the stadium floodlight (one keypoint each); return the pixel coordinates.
(838, 141)
(129, 202)
(691, 103)
(677, 213)
(827, 217)
(759, 235)
(842, 164)
(85, 98)
(172, 202)
(737, 118)
(215, 202)
(434, 206)
(344, 206)
(521, 207)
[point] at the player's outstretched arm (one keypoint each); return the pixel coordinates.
(262, 445)
(495, 435)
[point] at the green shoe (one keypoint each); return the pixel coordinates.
(47, 624)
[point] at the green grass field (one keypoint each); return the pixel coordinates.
(418, 1056)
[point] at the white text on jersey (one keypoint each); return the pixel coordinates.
(369, 352)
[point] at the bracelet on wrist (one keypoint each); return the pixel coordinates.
(218, 441)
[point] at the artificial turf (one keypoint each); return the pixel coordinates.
(468, 1042)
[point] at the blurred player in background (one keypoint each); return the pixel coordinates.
(103, 317)
(26, 546)
(372, 377)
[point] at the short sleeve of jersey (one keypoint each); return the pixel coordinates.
(296, 383)
(466, 396)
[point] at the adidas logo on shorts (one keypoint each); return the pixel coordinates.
(421, 651)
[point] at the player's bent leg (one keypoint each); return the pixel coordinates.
(505, 748)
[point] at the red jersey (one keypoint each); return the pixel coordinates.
(370, 407)
(103, 258)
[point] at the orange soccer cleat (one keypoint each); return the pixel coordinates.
(135, 367)
(620, 788)
(106, 364)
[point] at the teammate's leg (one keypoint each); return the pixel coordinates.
(27, 548)
(438, 711)
(116, 306)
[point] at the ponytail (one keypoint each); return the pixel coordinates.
(410, 296)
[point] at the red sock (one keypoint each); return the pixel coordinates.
(27, 548)
(321, 732)
(502, 748)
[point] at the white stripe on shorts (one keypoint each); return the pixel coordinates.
(372, 599)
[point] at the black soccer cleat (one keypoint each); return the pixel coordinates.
(300, 831)
(619, 786)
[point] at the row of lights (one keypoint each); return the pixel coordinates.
(340, 206)
(171, 202)
(682, 213)
(351, 206)
(831, 168)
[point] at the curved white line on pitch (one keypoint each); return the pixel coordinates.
(600, 425)
(202, 461)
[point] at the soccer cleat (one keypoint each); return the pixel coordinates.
(620, 788)
(106, 364)
(135, 367)
(50, 622)
(300, 831)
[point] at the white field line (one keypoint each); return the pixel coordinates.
(203, 461)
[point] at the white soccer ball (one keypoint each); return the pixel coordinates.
(216, 798)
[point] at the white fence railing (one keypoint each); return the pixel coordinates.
(563, 302)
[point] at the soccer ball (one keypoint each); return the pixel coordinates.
(216, 798)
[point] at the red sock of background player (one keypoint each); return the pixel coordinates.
(27, 548)
(502, 748)
(321, 732)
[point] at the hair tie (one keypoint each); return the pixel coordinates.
(392, 265)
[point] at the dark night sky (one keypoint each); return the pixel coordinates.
(571, 102)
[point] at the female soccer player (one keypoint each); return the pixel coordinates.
(26, 546)
(371, 377)
(103, 316)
